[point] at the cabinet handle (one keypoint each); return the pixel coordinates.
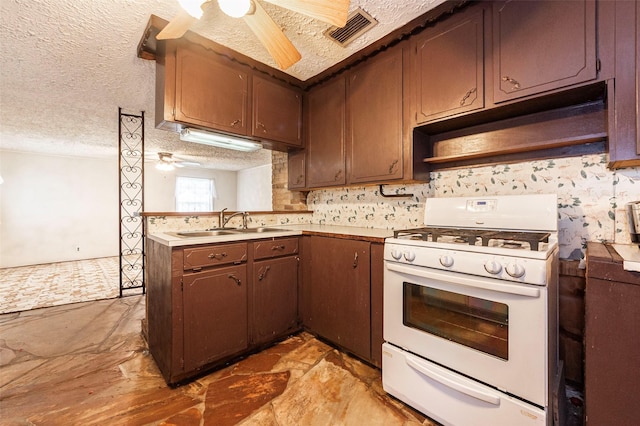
(261, 125)
(337, 175)
(280, 247)
(264, 274)
(236, 279)
(355, 260)
(466, 96)
(218, 256)
(513, 82)
(235, 122)
(393, 166)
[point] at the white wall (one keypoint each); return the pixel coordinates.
(51, 206)
(160, 187)
(254, 189)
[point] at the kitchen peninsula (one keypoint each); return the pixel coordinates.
(212, 299)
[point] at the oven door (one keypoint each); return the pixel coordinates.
(491, 330)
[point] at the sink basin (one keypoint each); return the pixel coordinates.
(261, 229)
(213, 233)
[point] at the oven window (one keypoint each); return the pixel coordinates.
(477, 323)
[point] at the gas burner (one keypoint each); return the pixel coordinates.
(513, 238)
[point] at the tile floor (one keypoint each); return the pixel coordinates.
(39, 286)
(87, 364)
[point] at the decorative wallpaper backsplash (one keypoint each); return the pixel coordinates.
(591, 198)
(199, 223)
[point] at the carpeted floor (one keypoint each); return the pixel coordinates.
(53, 284)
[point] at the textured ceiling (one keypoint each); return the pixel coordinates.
(67, 65)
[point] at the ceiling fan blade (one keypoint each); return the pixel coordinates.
(335, 12)
(272, 37)
(176, 28)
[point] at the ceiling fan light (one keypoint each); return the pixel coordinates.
(235, 8)
(220, 141)
(193, 7)
(165, 167)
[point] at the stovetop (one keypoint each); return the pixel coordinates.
(527, 240)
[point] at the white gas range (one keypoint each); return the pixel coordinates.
(470, 311)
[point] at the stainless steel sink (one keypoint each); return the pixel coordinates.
(259, 230)
(213, 233)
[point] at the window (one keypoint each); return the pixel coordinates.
(195, 194)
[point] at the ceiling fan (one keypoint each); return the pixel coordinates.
(165, 161)
(285, 54)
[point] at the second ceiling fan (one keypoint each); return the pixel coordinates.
(285, 54)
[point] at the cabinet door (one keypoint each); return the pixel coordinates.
(542, 45)
(450, 68)
(277, 112)
(374, 114)
(215, 315)
(326, 134)
(274, 298)
(296, 170)
(624, 118)
(210, 92)
(338, 289)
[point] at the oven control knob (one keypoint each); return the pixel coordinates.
(446, 260)
(515, 270)
(409, 256)
(396, 254)
(492, 267)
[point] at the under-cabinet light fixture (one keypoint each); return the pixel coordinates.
(220, 141)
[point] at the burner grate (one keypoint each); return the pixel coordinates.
(474, 236)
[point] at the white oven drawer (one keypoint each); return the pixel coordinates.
(450, 398)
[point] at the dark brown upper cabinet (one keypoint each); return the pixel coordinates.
(540, 46)
(449, 68)
(209, 92)
(277, 112)
(198, 87)
(624, 117)
(296, 170)
(374, 120)
(325, 121)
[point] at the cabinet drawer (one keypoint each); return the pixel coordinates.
(213, 255)
(274, 248)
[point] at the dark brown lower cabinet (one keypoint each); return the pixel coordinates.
(274, 299)
(215, 315)
(611, 338)
(337, 292)
(210, 303)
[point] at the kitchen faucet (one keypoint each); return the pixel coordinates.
(224, 220)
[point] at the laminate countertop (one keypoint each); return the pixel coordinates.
(373, 235)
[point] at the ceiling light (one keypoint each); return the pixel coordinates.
(235, 8)
(165, 167)
(193, 7)
(221, 141)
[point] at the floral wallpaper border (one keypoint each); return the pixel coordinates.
(591, 198)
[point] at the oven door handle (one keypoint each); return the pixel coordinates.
(477, 282)
(461, 385)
